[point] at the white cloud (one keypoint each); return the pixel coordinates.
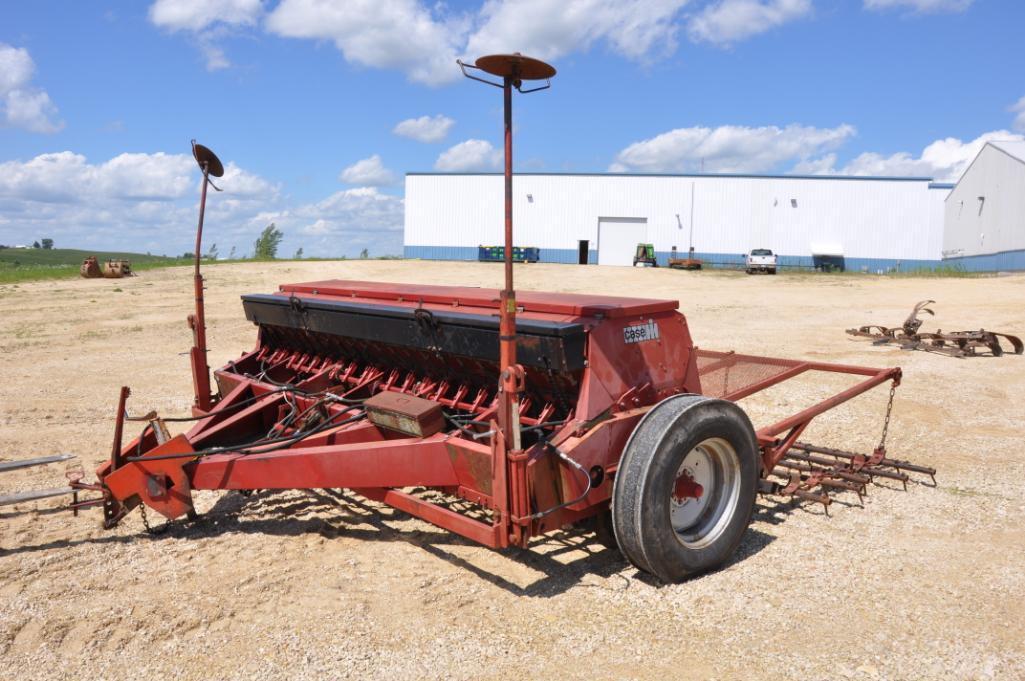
(422, 39)
(21, 104)
(1019, 120)
(148, 201)
(823, 165)
(920, 6)
(363, 209)
(470, 155)
(196, 15)
(368, 172)
(216, 58)
(130, 201)
(66, 176)
(729, 149)
(395, 34)
(730, 21)
(208, 21)
(425, 129)
(242, 183)
(345, 223)
(944, 160)
(547, 29)
(16, 67)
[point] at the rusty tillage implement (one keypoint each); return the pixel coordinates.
(791, 467)
(500, 417)
(112, 269)
(953, 343)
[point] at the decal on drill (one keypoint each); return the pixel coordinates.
(641, 332)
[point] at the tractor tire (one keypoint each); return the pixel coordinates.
(685, 488)
(750, 271)
(772, 271)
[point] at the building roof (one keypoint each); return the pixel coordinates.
(728, 175)
(1015, 148)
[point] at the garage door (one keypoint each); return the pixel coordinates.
(618, 239)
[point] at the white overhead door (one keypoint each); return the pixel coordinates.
(618, 239)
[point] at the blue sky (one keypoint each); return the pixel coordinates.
(303, 100)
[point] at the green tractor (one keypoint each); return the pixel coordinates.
(645, 255)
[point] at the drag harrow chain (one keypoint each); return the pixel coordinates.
(812, 473)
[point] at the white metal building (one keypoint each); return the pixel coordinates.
(984, 227)
(873, 223)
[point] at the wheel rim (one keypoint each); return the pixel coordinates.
(705, 494)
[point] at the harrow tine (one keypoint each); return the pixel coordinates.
(834, 471)
(817, 498)
(829, 477)
(798, 486)
(811, 482)
(866, 470)
(873, 469)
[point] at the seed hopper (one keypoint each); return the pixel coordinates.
(497, 415)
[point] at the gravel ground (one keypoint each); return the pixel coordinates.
(923, 584)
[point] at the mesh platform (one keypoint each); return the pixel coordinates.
(731, 376)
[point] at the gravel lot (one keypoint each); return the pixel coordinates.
(923, 584)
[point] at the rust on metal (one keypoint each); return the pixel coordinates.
(91, 268)
(951, 343)
(207, 160)
(515, 66)
(210, 165)
(405, 413)
(111, 269)
(116, 269)
(517, 409)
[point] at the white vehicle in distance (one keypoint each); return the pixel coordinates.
(760, 260)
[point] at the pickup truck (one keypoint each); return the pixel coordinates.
(760, 260)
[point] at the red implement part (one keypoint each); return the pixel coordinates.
(686, 488)
(405, 413)
(518, 407)
(337, 359)
(486, 300)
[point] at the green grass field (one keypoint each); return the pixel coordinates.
(32, 264)
(35, 264)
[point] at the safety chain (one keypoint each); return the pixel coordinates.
(886, 421)
(151, 530)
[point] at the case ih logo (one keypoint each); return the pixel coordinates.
(640, 333)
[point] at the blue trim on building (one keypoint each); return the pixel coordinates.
(443, 252)
(1007, 261)
(695, 175)
(712, 260)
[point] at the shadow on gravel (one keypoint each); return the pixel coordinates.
(66, 544)
(564, 558)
